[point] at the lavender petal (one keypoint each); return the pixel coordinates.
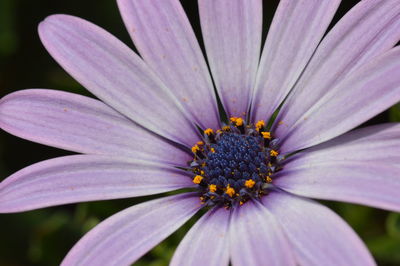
(115, 74)
(368, 30)
(207, 242)
(129, 234)
(256, 238)
(232, 37)
(360, 167)
(80, 178)
(165, 39)
(296, 30)
(81, 124)
(317, 235)
(363, 94)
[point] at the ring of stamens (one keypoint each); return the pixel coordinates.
(235, 163)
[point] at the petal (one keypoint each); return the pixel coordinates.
(296, 30)
(129, 234)
(318, 236)
(81, 124)
(257, 238)
(362, 166)
(80, 178)
(365, 93)
(232, 37)
(368, 30)
(166, 41)
(207, 242)
(115, 74)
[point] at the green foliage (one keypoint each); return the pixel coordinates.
(394, 113)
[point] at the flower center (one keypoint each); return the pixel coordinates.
(235, 164)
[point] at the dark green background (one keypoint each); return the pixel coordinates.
(43, 237)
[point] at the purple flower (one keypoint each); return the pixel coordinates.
(142, 138)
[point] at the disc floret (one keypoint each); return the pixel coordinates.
(236, 163)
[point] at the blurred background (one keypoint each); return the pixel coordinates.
(43, 237)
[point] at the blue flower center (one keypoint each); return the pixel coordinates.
(235, 164)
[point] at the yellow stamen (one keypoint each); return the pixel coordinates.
(266, 135)
(197, 179)
(212, 150)
(202, 200)
(249, 183)
(273, 153)
(212, 188)
(237, 121)
(202, 172)
(195, 148)
(226, 128)
(268, 179)
(230, 191)
(260, 124)
(208, 131)
(200, 143)
(241, 203)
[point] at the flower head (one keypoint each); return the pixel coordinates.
(142, 138)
